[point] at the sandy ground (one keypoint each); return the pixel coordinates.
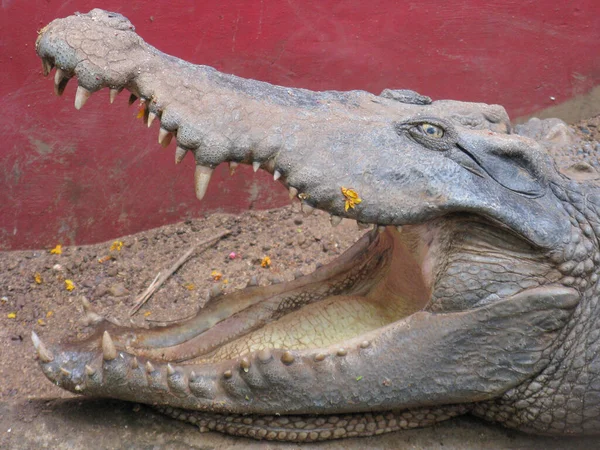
(34, 295)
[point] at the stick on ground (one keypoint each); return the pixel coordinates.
(161, 277)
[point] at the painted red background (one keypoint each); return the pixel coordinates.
(87, 176)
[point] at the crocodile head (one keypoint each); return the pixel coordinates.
(466, 296)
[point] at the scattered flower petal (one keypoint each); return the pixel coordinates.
(117, 245)
(351, 197)
(216, 275)
(49, 314)
(41, 322)
(12, 315)
(266, 262)
(56, 250)
(69, 285)
(189, 286)
(104, 259)
(232, 255)
(38, 278)
(147, 313)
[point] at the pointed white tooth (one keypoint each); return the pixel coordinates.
(44, 354)
(201, 180)
(134, 363)
(149, 367)
(59, 76)
(256, 165)
(170, 370)
(293, 192)
(151, 117)
(180, 154)
(306, 208)
(276, 175)
(46, 66)
(109, 352)
(380, 228)
(399, 228)
(232, 167)
(335, 220)
(81, 97)
(65, 372)
(112, 94)
(164, 136)
(89, 371)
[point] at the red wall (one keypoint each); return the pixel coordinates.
(81, 177)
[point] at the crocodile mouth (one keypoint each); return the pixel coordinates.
(337, 313)
(341, 305)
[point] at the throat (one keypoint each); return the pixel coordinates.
(483, 264)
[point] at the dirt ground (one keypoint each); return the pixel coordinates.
(35, 295)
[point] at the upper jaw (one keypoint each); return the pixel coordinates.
(292, 133)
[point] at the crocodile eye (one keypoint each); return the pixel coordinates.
(432, 131)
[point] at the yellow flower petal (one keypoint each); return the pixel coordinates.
(38, 278)
(69, 285)
(216, 275)
(117, 245)
(12, 315)
(351, 198)
(266, 262)
(56, 250)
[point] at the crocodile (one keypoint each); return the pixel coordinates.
(475, 291)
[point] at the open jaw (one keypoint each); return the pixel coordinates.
(450, 301)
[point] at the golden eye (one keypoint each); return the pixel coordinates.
(432, 131)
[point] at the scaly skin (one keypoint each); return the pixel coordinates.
(476, 292)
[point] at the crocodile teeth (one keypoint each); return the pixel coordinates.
(149, 367)
(293, 192)
(335, 220)
(276, 175)
(81, 97)
(151, 117)
(399, 228)
(201, 180)
(44, 354)
(232, 166)
(170, 370)
(46, 67)
(109, 352)
(180, 154)
(164, 137)
(112, 94)
(60, 81)
(256, 165)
